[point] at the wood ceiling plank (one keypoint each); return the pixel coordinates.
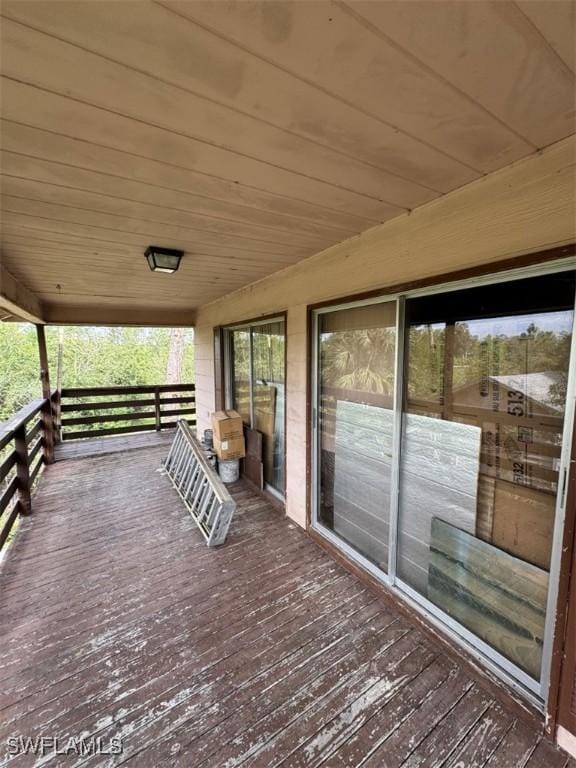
(220, 194)
(43, 60)
(25, 221)
(34, 240)
(28, 105)
(61, 272)
(46, 172)
(119, 207)
(50, 275)
(68, 256)
(133, 291)
(188, 56)
(84, 207)
(82, 302)
(20, 256)
(321, 43)
(556, 21)
(490, 52)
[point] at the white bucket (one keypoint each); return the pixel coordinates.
(229, 470)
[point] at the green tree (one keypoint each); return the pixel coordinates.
(92, 357)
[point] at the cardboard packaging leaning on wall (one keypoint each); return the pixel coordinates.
(228, 435)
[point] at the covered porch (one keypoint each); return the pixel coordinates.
(367, 211)
(119, 623)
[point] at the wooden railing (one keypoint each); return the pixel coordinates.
(27, 439)
(96, 412)
(26, 443)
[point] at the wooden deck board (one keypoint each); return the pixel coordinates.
(117, 620)
(83, 449)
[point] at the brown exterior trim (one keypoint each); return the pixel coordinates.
(493, 268)
(259, 319)
(483, 677)
(309, 424)
(562, 675)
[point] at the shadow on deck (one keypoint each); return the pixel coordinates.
(118, 621)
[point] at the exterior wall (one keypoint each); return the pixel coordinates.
(526, 207)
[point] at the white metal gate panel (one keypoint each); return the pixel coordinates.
(199, 487)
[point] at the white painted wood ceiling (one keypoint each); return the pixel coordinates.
(253, 134)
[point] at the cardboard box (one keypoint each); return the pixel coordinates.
(227, 425)
(231, 448)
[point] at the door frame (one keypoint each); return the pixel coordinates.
(224, 375)
(563, 671)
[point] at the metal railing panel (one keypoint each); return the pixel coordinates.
(196, 482)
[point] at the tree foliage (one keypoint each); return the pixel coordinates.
(363, 359)
(92, 357)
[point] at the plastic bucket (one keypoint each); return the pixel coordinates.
(209, 438)
(229, 470)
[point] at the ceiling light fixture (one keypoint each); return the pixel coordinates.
(163, 259)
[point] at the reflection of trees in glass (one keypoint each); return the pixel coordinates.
(359, 360)
(268, 352)
(241, 372)
(477, 356)
(426, 362)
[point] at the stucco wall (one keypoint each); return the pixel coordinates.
(529, 206)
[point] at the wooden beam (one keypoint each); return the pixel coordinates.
(98, 315)
(18, 302)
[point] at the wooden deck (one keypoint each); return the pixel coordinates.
(117, 621)
(84, 449)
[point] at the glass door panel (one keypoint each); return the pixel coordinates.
(355, 421)
(240, 372)
(255, 387)
(268, 361)
(485, 390)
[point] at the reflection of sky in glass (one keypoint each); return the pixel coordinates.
(557, 322)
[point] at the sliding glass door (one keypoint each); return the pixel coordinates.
(444, 472)
(255, 387)
(484, 407)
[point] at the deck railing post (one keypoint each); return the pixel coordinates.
(157, 409)
(56, 401)
(48, 432)
(22, 470)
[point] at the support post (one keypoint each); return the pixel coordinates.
(47, 417)
(57, 408)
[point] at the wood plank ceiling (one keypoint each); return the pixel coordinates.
(252, 134)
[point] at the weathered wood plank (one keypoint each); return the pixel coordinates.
(118, 621)
(481, 740)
